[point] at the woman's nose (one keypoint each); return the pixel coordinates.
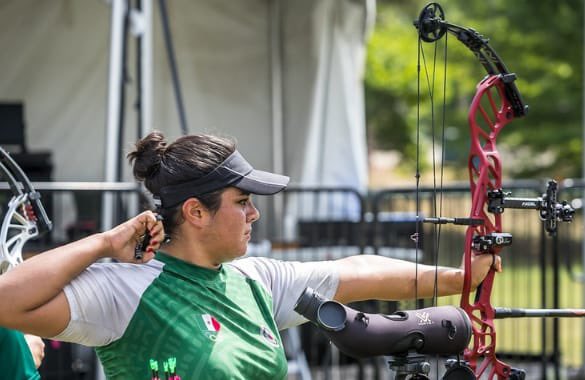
(253, 213)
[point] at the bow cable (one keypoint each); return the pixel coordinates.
(437, 197)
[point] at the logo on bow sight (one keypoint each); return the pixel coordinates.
(424, 318)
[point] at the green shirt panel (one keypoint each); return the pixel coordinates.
(218, 324)
(16, 361)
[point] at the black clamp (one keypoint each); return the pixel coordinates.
(487, 243)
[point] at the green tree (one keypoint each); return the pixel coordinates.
(540, 41)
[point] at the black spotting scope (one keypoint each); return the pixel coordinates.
(441, 330)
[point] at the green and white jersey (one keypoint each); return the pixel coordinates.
(218, 324)
(16, 360)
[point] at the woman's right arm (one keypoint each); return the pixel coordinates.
(31, 296)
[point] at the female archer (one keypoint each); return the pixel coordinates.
(193, 303)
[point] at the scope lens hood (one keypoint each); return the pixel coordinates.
(332, 316)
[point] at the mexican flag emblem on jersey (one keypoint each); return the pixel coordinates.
(209, 325)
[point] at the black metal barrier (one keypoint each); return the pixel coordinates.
(331, 223)
(539, 272)
(320, 224)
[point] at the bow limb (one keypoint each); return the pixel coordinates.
(35, 207)
(25, 217)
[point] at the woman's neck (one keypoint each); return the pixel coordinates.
(190, 252)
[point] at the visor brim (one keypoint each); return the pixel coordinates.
(262, 183)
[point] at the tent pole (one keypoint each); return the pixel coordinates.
(146, 68)
(119, 10)
(276, 102)
(168, 39)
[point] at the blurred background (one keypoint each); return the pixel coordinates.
(325, 91)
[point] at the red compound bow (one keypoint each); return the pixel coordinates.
(496, 103)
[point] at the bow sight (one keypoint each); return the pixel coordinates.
(550, 210)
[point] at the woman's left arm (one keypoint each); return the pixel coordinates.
(365, 277)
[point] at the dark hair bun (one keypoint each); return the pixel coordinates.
(147, 155)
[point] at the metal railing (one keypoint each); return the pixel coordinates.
(539, 272)
(330, 223)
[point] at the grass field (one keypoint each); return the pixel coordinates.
(521, 283)
(525, 335)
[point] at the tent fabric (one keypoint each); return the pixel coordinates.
(56, 62)
(56, 56)
(332, 132)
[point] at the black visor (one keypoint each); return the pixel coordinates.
(234, 171)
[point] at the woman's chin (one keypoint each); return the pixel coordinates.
(242, 251)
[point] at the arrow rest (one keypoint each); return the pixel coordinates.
(490, 242)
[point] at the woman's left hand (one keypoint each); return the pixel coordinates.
(481, 265)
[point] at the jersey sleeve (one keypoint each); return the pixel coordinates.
(286, 280)
(103, 299)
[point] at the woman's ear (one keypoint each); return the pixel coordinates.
(194, 212)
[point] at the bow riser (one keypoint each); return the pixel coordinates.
(486, 120)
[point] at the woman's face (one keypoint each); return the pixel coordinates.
(230, 228)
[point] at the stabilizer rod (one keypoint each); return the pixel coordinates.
(506, 312)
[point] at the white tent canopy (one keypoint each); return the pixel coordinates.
(283, 77)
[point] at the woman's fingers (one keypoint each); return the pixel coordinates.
(497, 263)
(127, 240)
(481, 264)
(152, 237)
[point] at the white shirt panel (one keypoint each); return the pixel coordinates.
(286, 281)
(103, 299)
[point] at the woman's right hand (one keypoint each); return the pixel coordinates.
(122, 240)
(37, 348)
